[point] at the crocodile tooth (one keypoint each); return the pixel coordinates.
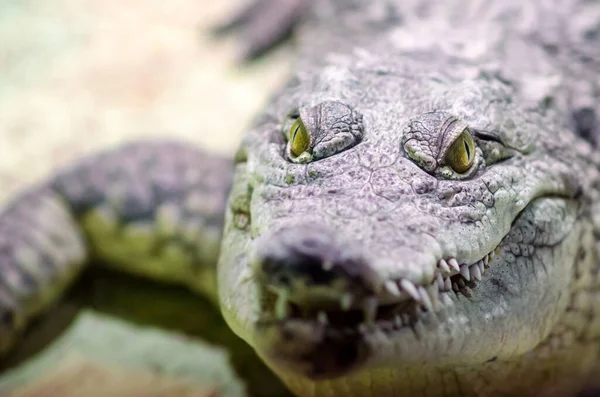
(455, 287)
(447, 284)
(419, 329)
(464, 271)
(461, 283)
(410, 288)
(392, 288)
(405, 319)
(475, 272)
(481, 266)
(492, 254)
(452, 262)
(439, 281)
(398, 321)
(327, 265)
(425, 299)
(434, 295)
(442, 264)
(346, 301)
(486, 259)
(447, 300)
(281, 306)
(370, 310)
(322, 317)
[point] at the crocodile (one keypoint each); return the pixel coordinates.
(416, 211)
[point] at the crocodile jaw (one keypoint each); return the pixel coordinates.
(492, 320)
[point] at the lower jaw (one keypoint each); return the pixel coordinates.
(384, 381)
(310, 351)
(305, 348)
(344, 335)
(566, 374)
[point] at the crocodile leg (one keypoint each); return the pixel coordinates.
(263, 24)
(149, 208)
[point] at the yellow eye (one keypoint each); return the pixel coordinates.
(299, 138)
(461, 154)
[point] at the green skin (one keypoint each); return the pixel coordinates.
(337, 265)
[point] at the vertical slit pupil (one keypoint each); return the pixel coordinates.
(467, 149)
(295, 131)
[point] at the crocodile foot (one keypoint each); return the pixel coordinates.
(263, 24)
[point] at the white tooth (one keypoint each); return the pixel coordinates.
(486, 259)
(461, 283)
(410, 288)
(346, 301)
(281, 306)
(442, 264)
(475, 272)
(370, 310)
(452, 262)
(455, 287)
(419, 329)
(440, 281)
(464, 271)
(405, 319)
(392, 288)
(481, 266)
(492, 254)
(434, 295)
(398, 321)
(447, 284)
(327, 265)
(425, 299)
(322, 317)
(447, 300)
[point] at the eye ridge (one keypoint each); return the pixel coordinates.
(321, 131)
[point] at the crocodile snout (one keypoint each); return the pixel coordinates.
(311, 267)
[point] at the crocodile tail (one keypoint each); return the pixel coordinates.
(42, 250)
(150, 208)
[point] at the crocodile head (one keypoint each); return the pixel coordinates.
(386, 220)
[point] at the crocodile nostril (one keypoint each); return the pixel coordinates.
(310, 244)
(283, 279)
(310, 265)
(296, 266)
(7, 318)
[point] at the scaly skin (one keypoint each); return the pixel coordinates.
(150, 208)
(368, 266)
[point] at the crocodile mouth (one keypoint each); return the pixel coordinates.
(328, 339)
(402, 304)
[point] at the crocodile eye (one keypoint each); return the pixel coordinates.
(461, 154)
(299, 138)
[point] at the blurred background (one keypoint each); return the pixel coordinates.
(81, 75)
(78, 75)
